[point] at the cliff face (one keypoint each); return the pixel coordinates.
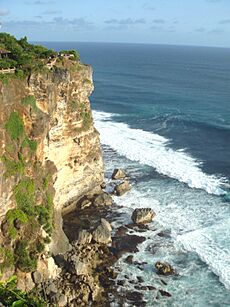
(50, 157)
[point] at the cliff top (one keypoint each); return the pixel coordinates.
(25, 58)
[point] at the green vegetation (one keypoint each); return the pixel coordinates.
(24, 193)
(14, 126)
(13, 167)
(30, 100)
(11, 217)
(23, 56)
(86, 119)
(46, 181)
(7, 258)
(30, 143)
(74, 53)
(26, 58)
(11, 296)
(26, 260)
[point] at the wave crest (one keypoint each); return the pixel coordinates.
(152, 149)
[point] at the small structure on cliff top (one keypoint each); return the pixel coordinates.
(4, 53)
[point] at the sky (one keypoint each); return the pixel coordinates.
(179, 22)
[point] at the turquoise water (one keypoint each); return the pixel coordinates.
(163, 113)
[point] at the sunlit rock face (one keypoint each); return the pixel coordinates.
(68, 147)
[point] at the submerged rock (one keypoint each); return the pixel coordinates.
(129, 259)
(127, 244)
(122, 188)
(165, 293)
(164, 268)
(143, 216)
(118, 173)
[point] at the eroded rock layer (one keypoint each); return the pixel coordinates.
(50, 157)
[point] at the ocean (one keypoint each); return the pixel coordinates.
(163, 113)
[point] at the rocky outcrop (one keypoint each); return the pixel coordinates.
(164, 268)
(143, 216)
(122, 188)
(118, 173)
(50, 157)
(102, 234)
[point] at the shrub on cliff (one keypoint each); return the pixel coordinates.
(11, 296)
(23, 55)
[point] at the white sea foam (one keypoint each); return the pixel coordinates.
(152, 149)
(212, 246)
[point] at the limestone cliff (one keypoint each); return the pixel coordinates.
(50, 157)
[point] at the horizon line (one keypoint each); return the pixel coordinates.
(130, 43)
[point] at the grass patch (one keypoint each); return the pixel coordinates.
(12, 167)
(30, 101)
(24, 193)
(15, 126)
(7, 258)
(30, 143)
(11, 296)
(11, 217)
(26, 260)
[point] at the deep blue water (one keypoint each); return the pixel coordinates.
(183, 93)
(164, 114)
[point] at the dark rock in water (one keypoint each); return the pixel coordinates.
(121, 231)
(127, 243)
(165, 234)
(153, 248)
(151, 288)
(103, 185)
(164, 268)
(112, 273)
(129, 259)
(164, 282)
(140, 279)
(138, 227)
(134, 296)
(121, 282)
(118, 174)
(165, 293)
(103, 199)
(139, 263)
(143, 216)
(142, 288)
(122, 188)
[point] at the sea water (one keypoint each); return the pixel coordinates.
(163, 113)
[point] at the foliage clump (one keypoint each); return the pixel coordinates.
(11, 296)
(13, 167)
(75, 55)
(7, 258)
(11, 217)
(30, 100)
(15, 126)
(23, 56)
(32, 144)
(26, 260)
(24, 193)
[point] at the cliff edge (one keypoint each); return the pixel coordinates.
(50, 157)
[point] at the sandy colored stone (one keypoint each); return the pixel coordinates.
(143, 216)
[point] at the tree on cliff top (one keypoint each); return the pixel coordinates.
(23, 55)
